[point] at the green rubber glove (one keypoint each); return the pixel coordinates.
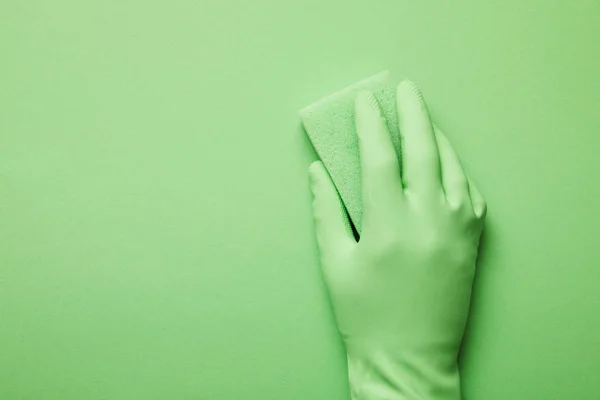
(401, 294)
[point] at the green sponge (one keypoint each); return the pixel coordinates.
(329, 124)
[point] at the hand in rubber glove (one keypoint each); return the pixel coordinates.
(401, 294)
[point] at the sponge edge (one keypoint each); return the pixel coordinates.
(329, 124)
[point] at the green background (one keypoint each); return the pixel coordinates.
(156, 235)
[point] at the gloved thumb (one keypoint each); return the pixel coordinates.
(331, 221)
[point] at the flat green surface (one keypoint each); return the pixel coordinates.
(155, 232)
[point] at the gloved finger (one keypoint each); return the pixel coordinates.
(420, 158)
(380, 168)
(331, 222)
(454, 180)
(479, 204)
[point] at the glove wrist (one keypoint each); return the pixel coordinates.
(401, 375)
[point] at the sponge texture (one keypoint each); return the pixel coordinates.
(329, 124)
